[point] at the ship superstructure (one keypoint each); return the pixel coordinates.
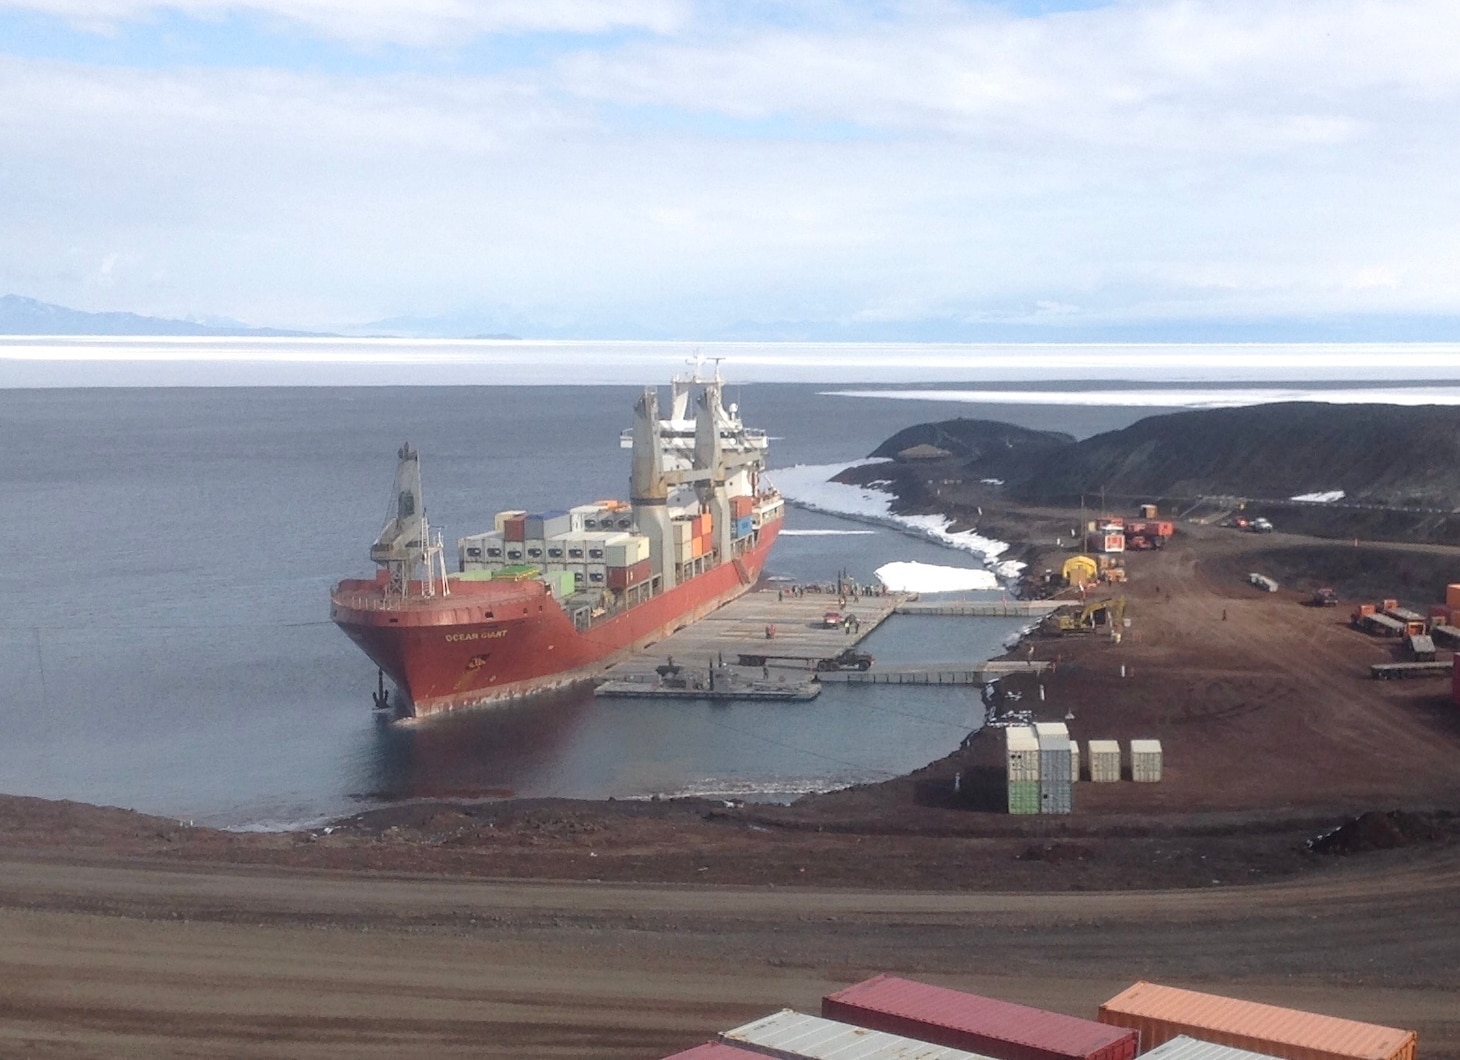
(548, 598)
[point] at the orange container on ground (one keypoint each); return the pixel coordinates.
(1452, 596)
(1161, 1013)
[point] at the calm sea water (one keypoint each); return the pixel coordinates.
(165, 645)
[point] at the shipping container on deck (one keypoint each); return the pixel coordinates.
(630, 576)
(716, 1051)
(981, 1024)
(1021, 753)
(596, 576)
(1161, 1013)
(1145, 761)
(634, 548)
(562, 583)
(697, 548)
(578, 517)
(744, 526)
(542, 525)
(1055, 795)
(514, 528)
(500, 523)
(793, 1035)
(742, 506)
(480, 550)
(1104, 761)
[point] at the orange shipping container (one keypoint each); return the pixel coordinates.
(698, 548)
(1161, 1013)
(1452, 596)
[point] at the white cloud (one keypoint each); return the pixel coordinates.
(1152, 159)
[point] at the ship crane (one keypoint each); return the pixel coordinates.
(406, 542)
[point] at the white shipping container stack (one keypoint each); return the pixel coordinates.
(1145, 761)
(1054, 775)
(792, 1035)
(1021, 753)
(1059, 728)
(1104, 761)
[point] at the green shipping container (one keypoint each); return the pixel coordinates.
(561, 582)
(1023, 796)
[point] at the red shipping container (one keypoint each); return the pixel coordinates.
(985, 1025)
(628, 577)
(740, 507)
(715, 1051)
(515, 529)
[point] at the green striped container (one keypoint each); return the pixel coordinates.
(1023, 796)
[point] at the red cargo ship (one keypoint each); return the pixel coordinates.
(554, 598)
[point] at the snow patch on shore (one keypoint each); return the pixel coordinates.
(1325, 497)
(910, 576)
(810, 486)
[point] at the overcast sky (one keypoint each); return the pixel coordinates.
(678, 168)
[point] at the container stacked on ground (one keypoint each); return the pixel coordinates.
(889, 1018)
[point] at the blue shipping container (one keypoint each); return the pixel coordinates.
(743, 527)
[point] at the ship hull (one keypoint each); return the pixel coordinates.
(491, 642)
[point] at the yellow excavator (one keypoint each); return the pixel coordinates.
(1098, 616)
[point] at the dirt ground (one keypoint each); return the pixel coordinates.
(1302, 848)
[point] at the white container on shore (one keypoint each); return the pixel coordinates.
(1021, 753)
(1104, 761)
(793, 1035)
(1145, 761)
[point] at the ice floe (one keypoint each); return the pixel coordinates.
(910, 576)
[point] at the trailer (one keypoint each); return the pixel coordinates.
(849, 659)
(1399, 671)
(1379, 625)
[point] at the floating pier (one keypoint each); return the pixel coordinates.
(723, 685)
(790, 630)
(936, 674)
(986, 608)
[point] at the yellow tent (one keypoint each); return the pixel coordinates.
(1079, 570)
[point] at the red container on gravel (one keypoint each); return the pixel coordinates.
(978, 1024)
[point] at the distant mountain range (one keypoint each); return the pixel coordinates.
(27, 316)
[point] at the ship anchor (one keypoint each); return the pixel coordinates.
(381, 695)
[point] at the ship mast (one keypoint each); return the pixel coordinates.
(406, 543)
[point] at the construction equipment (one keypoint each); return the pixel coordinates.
(1098, 616)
